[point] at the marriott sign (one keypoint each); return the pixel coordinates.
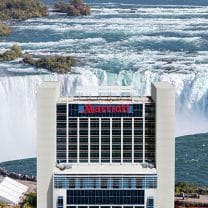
(91, 109)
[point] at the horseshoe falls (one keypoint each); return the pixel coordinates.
(119, 44)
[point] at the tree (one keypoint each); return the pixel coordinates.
(30, 201)
(77, 2)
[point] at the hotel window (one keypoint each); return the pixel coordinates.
(126, 183)
(127, 140)
(138, 110)
(72, 137)
(117, 183)
(150, 132)
(104, 183)
(150, 202)
(116, 140)
(60, 202)
(138, 140)
(72, 183)
(83, 140)
(73, 110)
(94, 140)
(105, 140)
(105, 197)
(61, 133)
(99, 182)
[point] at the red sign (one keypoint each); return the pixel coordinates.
(88, 108)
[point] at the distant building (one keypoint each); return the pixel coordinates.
(106, 151)
(11, 191)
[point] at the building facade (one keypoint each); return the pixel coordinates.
(106, 151)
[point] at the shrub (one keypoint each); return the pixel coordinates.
(13, 53)
(30, 200)
(190, 188)
(59, 64)
(77, 2)
(21, 9)
(4, 30)
(85, 10)
(62, 6)
(74, 8)
(72, 11)
(27, 58)
(55, 63)
(190, 204)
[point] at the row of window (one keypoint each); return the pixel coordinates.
(105, 197)
(99, 147)
(100, 182)
(150, 132)
(94, 206)
(61, 125)
(150, 204)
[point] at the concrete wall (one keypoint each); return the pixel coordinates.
(59, 192)
(46, 142)
(164, 96)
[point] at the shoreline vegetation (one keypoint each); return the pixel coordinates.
(189, 195)
(190, 188)
(4, 29)
(53, 63)
(190, 205)
(22, 9)
(19, 10)
(73, 8)
(25, 9)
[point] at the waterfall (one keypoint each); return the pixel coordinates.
(18, 103)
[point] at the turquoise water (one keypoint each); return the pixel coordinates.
(191, 160)
(146, 2)
(117, 40)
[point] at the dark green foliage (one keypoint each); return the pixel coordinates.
(72, 11)
(55, 63)
(4, 30)
(30, 200)
(184, 187)
(13, 53)
(21, 9)
(27, 58)
(77, 2)
(181, 204)
(74, 8)
(59, 64)
(62, 6)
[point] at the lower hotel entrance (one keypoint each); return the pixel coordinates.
(108, 191)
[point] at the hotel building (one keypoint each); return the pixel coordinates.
(106, 151)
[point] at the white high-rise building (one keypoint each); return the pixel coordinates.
(106, 151)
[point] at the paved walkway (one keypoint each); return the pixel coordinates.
(202, 199)
(30, 184)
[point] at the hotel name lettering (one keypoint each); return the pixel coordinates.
(94, 109)
(105, 110)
